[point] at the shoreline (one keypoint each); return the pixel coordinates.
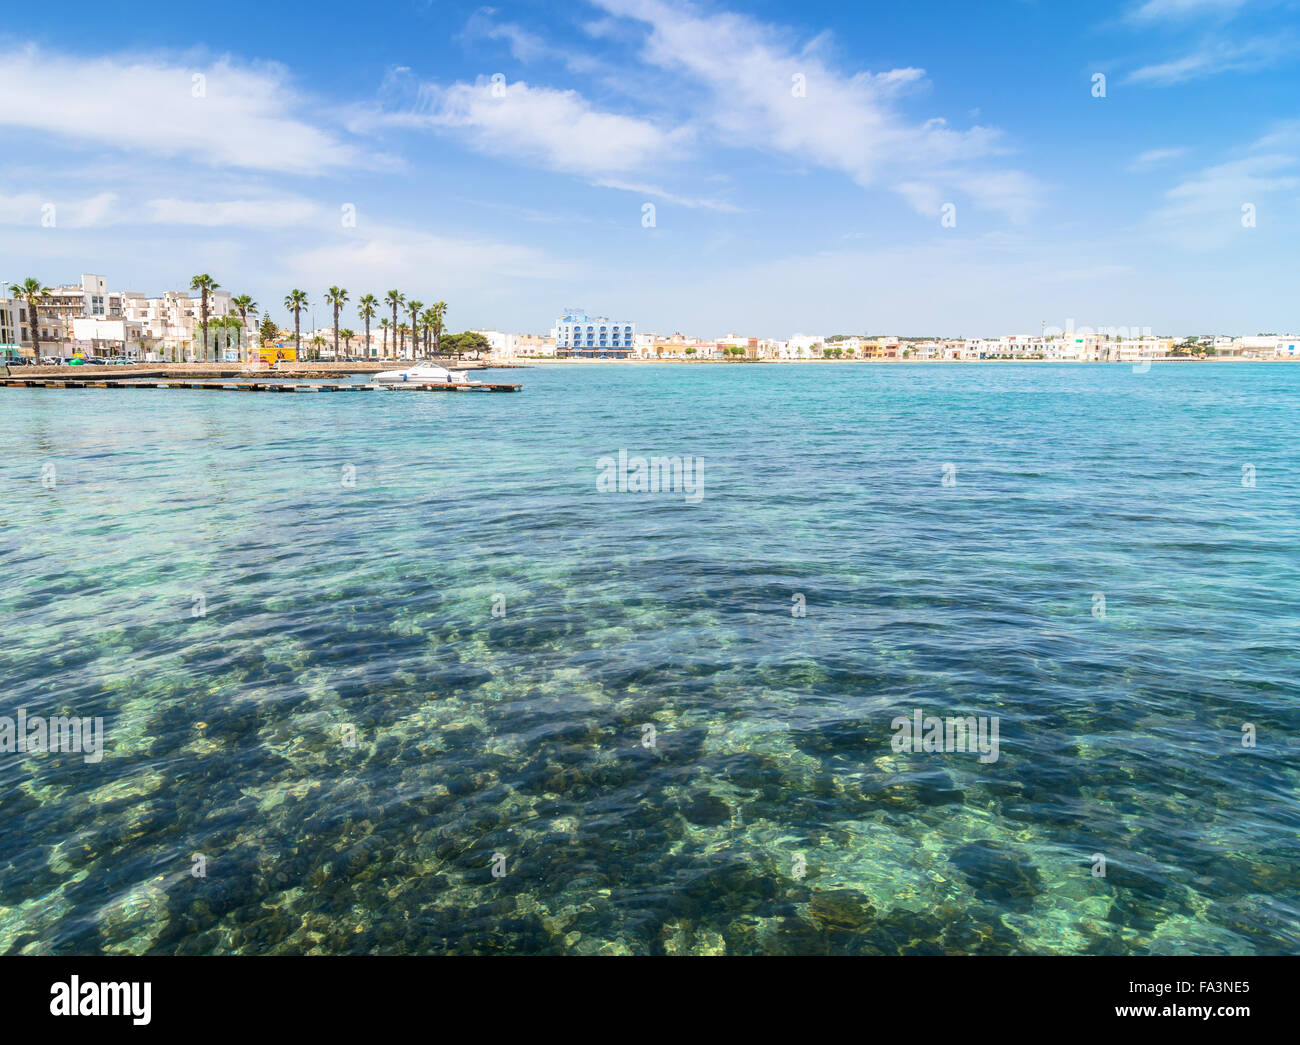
(550, 361)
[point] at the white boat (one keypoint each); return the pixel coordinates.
(422, 374)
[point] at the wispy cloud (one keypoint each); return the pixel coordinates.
(1205, 209)
(1216, 57)
(761, 91)
(1153, 158)
(525, 46)
(280, 212)
(61, 211)
(654, 192)
(216, 113)
(387, 256)
(1182, 10)
(559, 130)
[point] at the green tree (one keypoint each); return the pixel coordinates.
(295, 301)
(205, 285)
(30, 292)
(385, 325)
(414, 308)
(246, 307)
(439, 317)
(336, 298)
(366, 310)
(397, 300)
(466, 342)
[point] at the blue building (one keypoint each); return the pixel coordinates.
(593, 337)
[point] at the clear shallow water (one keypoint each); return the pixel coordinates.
(369, 606)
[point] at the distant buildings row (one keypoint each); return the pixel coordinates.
(1082, 345)
(88, 317)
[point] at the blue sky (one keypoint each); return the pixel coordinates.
(799, 159)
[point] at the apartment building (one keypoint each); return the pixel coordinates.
(578, 334)
(170, 325)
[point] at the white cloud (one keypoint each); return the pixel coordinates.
(1157, 10)
(1205, 210)
(267, 213)
(761, 91)
(244, 116)
(653, 191)
(393, 257)
(34, 210)
(1217, 57)
(556, 129)
(1153, 158)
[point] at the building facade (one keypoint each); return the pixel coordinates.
(593, 337)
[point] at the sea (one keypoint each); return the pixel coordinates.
(657, 659)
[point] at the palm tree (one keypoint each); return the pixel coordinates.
(336, 297)
(295, 302)
(30, 292)
(385, 324)
(414, 307)
(347, 336)
(316, 342)
(366, 310)
(395, 298)
(440, 310)
(246, 307)
(426, 327)
(402, 331)
(205, 285)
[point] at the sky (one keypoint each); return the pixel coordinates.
(928, 168)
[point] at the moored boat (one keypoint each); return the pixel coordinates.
(423, 373)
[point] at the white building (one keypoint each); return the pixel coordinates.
(170, 325)
(804, 346)
(578, 334)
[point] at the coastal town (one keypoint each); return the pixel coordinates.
(87, 321)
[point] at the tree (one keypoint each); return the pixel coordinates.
(246, 307)
(402, 331)
(295, 302)
(205, 285)
(30, 292)
(440, 315)
(336, 297)
(414, 307)
(386, 325)
(469, 341)
(397, 299)
(422, 331)
(366, 310)
(317, 342)
(268, 330)
(347, 336)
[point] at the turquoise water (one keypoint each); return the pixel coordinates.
(304, 686)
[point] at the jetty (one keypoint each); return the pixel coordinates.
(243, 385)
